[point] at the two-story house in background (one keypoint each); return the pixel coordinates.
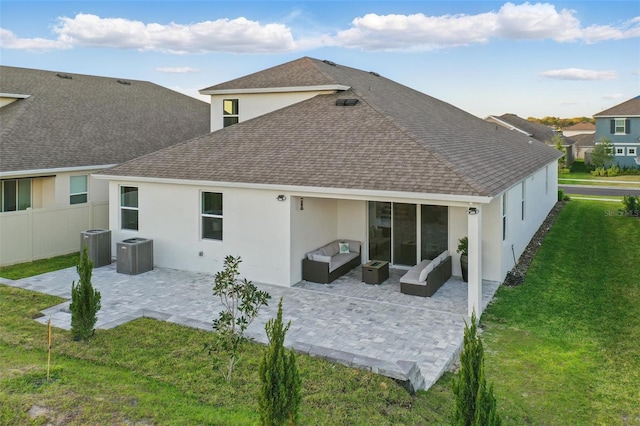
(56, 129)
(621, 125)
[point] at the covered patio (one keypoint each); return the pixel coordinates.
(371, 327)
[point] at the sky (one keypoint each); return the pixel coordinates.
(559, 58)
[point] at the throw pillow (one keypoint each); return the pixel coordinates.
(344, 247)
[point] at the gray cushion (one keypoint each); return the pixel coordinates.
(321, 258)
(354, 246)
(425, 271)
(330, 249)
(340, 259)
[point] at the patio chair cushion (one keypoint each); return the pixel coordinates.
(340, 259)
(425, 271)
(330, 249)
(321, 258)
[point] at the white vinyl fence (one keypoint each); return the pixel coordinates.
(42, 233)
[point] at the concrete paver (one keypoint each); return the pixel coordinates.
(372, 327)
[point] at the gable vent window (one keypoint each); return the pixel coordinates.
(346, 102)
(229, 112)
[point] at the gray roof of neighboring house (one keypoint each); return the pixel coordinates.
(536, 130)
(394, 139)
(627, 108)
(87, 120)
(584, 140)
(581, 126)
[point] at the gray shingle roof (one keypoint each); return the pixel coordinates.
(585, 140)
(394, 139)
(88, 120)
(536, 130)
(625, 109)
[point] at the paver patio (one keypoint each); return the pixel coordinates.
(373, 327)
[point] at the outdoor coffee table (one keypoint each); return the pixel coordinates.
(375, 272)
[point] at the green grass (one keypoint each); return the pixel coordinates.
(560, 349)
(24, 270)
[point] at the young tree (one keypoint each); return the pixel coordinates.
(474, 402)
(602, 155)
(85, 301)
(279, 397)
(241, 301)
(557, 142)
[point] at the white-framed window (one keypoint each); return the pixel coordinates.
(129, 207)
(15, 194)
(522, 203)
(619, 126)
(211, 214)
(229, 112)
(78, 189)
(619, 150)
(632, 151)
(504, 217)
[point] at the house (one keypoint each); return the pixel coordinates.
(59, 128)
(310, 151)
(584, 146)
(582, 128)
(535, 130)
(621, 125)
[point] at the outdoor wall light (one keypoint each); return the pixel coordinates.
(472, 211)
(281, 197)
(301, 203)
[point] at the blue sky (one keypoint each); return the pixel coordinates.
(565, 58)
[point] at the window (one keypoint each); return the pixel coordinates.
(129, 207)
(229, 112)
(78, 189)
(522, 205)
(15, 194)
(211, 211)
(619, 151)
(504, 217)
(620, 126)
(632, 151)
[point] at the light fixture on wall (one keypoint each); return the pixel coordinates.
(281, 197)
(472, 211)
(301, 203)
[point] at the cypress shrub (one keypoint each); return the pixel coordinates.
(85, 300)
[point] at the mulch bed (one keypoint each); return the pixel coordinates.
(516, 275)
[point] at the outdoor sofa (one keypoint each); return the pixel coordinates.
(329, 262)
(427, 277)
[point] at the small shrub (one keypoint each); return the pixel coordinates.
(279, 398)
(561, 195)
(613, 171)
(564, 171)
(241, 300)
(85, 301)
(631, 205)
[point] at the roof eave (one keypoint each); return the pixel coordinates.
(330, 87)
(37, 172)
(14, 95)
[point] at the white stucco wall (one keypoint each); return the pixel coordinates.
(255, 227)
(256, 104)
(98, 190)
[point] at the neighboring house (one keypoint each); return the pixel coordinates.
(313, 152)
(621, 125)
(579, 129)
(59, 128)
(584, 146)
(535, 130)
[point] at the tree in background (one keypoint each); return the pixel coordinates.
(602, 155)
(475, 403)
(85, 300)
(557, 142)
(279, 397)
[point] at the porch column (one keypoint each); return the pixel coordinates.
(474, 229)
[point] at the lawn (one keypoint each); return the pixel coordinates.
(560, 349)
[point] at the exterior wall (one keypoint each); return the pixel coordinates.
(256, 104)
(255, 227)
(42, 233)
(625, 141)
(352, 223)
(541, 194)
(98, 189)
(311, 228)
(569, 133)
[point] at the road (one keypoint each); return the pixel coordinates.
(598, 190)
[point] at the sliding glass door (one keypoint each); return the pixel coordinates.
(405, 234)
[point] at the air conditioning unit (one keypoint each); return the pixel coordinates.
(98, 242)
(135, 256)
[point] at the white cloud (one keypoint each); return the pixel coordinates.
(177, 70)
(578, 74)
(526, 21)
(616, 96)
(238, 35)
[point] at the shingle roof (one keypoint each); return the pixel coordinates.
(585, 140)
(625, 109)
(87, 120)
(536, 130)
(394, 139)
(581, 126)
